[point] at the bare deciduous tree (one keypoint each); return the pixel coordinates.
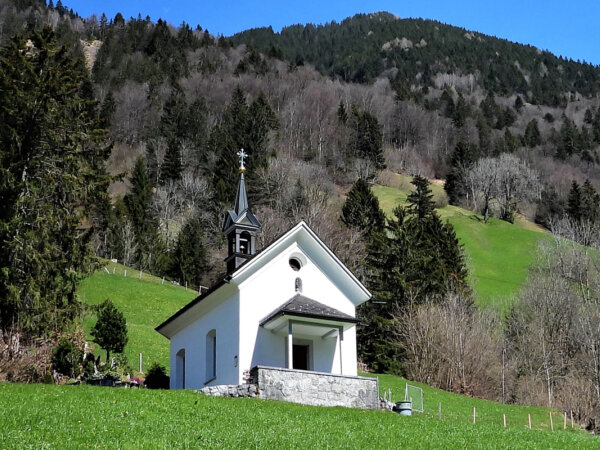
(505, 180)
(452, 346)
(128, 242)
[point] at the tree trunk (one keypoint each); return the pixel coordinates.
(486, 210)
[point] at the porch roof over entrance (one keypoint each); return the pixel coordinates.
(304, 307)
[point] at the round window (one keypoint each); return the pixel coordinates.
(295, 264)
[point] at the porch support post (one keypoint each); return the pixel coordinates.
(341, 338)
(290, 347)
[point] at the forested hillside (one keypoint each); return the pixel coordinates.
(324, 112)
(426, 53)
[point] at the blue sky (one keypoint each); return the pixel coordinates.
(565, 27)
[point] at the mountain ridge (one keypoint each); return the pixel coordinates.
(354, 50)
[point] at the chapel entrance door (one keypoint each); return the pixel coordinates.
(301, 357)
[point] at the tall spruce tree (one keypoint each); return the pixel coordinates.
(173, 128)
(138, 202)
(590, 202)
(462, 160)
(532, 135)
(361, 209)
(109, 106)
(420, 201)
(574, 202)
(366, 140)
(417, 258)
(172, 166)
(51, 176)
(190, 258)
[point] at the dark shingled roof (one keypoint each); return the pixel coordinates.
(301, 306)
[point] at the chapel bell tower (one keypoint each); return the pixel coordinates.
(240, 225)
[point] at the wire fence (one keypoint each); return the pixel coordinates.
(463, 411)
(114, 268)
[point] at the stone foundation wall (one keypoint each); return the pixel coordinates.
(316, 388)
(231, 390)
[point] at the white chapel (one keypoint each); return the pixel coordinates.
(291, 306)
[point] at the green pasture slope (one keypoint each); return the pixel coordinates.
(499, 253)
(145, 304)
(459, 408)
(76, 417)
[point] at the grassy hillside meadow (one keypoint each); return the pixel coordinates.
(499, 253)
(59, 416)
(145, 304)
(86, 416)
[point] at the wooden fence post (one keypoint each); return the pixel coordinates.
(565, 421)
(474, 415)
(551, 423)
(504, 419)
(571, 419)
(140, 274)
(440, 411)
(529, 420)
(141, 366)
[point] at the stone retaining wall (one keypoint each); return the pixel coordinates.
(231, 390)
(316, 388)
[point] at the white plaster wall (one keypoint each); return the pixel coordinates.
(270, 287)
(223, 316)
(349, 357)
(322, 351)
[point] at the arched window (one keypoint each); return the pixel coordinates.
(245, 243)
(180, 369)
(211, 355)
(298, 285)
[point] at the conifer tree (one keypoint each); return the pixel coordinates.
(461, 112)
(485, 136)
(461, 161)
(519, 103)
(590, 202)
(242, 126)
(138, 202)
(366, 140)
(420, 200)
(108, 109)
(110, 330)
(51, 176)
(532, 134)
(416, 258)
(574, 202)
(172, 167)
(342, 115)
(361, 209)
(588, 116)
(189, 258)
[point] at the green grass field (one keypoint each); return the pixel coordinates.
(145, 304)
(66, 417)
(86, 416)
(459, 408)
(499, 253)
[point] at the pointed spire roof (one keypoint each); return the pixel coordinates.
(241, 214)
(241, 199)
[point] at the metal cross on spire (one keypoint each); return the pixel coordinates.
(242, 154)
